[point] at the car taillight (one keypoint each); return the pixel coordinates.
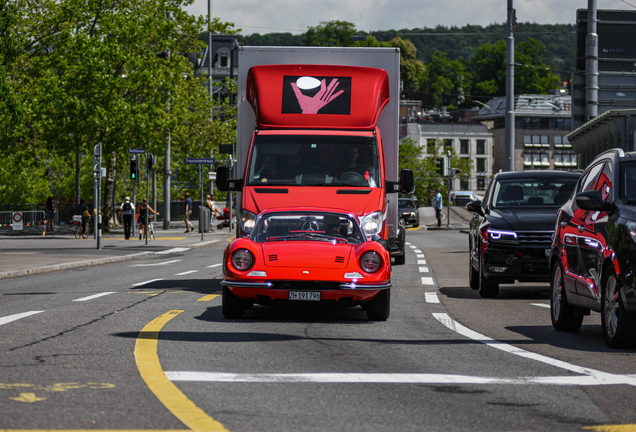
(242, 259)
(370, 262)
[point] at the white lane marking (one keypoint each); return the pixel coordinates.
(155, 264)
(94, 296)
(413, 246)
(427, 281)
(417, 251)
(431, 297)
(542, 305)
(423, 269)
(420, 262)
(383, 378)
(173, 250)
(602, 377)
(10, 318)
(420, 255)
(214, 265)
(186, 272)
(147, 282)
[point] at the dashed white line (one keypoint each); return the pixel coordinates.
(431, 297)
(417, 251)
(420, 255)
(173, 250)
(423, 269)
(147, 282)
(94, 296)
(155, 264)
(186, 272)
(427, 281)
(420, 262)
(11, 318)
(214, 265)
(541, 305)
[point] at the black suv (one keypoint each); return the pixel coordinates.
(511, 230)
(408, 211)
(593, 260)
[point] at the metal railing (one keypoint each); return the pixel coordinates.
(11, 220)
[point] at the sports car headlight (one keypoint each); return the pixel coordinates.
(242, 259)
(248, 220)
(372, 224)
(631, 229)
(502, 236)
(370, 262)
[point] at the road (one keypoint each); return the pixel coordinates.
(142, 345)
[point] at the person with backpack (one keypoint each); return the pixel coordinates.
(127, 209)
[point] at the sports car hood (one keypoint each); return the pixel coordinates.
(523, 219)
(306, 254)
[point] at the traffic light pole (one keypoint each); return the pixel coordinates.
(97, 175)
(449, 189)
(134, 200)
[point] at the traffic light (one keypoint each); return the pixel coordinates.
(134, 172)
(150, 160)
(440, 163)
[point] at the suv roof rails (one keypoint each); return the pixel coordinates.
(620, 151)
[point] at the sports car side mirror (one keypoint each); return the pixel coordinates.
(475, 207)
(593, 201)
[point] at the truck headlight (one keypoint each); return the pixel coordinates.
(631, 229)
(248, 221)
(372, 223)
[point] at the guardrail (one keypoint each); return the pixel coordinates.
(16, 220)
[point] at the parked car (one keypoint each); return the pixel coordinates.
(511, 229)
(461, 198)
(593, 260)
(306, 258)
(408, 211)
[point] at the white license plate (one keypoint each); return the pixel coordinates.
(306, 296)
(547, 253)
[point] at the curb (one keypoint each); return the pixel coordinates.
(93, 262)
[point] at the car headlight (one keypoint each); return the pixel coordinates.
(631, 229)
(372, 224)
(502, 236)
(248, 221)
(370, 262)
(242, 259)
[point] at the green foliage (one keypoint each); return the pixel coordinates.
(447, 80)
(332, 33)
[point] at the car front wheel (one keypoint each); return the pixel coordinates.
(378, 309)
(619, 326)
(231, 306)
(487, 289)
(562, 314)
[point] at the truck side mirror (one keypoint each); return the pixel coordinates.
(407, 181)
(221, 178)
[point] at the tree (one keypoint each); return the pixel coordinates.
(447, 81)
(332, 33)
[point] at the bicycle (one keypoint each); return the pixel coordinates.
(151, 229)
(77, 221)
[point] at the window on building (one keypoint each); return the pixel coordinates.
(464, 183)
(533, 123)
(430, 146)
(464, 146)
(481, 147)
(563, 124)
(448, 144)
(536, 160)
(561, 141)
(481, 183)
(480, 165)
(536, 141)
(224, 58)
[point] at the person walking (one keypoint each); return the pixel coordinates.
(141, 219)
(82, 210)
(50, 214)
(438, 206)
(127, 210)
(209, 203)
(188, 212)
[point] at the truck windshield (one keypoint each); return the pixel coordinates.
(314, 160)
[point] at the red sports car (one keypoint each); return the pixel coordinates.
(306, 257)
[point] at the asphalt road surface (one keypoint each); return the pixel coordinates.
(142, 345)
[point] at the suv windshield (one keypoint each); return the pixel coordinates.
(532, 192)
(330, 227)
(314, 160)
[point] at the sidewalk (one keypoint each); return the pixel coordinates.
(29, 252)
(459, 218)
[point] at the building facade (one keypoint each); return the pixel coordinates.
(542, 123)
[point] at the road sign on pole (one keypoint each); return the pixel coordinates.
(199, 161)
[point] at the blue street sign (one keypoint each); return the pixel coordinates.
(204, 161)
(136, 151)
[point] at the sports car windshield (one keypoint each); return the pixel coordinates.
(326, 227)
(314, 160)
(532, 192)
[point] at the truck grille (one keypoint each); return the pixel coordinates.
(538, 238)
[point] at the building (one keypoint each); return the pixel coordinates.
(469, 140)
(542, 123)
(224, 60)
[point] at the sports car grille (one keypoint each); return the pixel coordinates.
(538, 238)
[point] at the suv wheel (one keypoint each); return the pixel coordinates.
(562, 314)
(487, 288)
(619, 326)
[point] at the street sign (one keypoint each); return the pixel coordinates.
(136, 151)
(199, 161)
(211, 175)
(16, 219)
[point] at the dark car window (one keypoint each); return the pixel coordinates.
(407, 203)
(605, 181)
(628, 183)
(590, 180)
(531, 191)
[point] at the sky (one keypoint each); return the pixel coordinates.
(295, 16)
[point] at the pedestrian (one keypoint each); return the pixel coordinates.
(438, 206)
(127, 210)
(50, 214)
(188, 212)
(82, 210)
(209, 203)
(141, 219)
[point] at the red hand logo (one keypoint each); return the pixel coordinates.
(311, 105)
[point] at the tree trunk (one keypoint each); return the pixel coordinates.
(109, 191)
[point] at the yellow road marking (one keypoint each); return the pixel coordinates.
(613, 428)
(208, 297)
(168, 394)
(27, 397)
